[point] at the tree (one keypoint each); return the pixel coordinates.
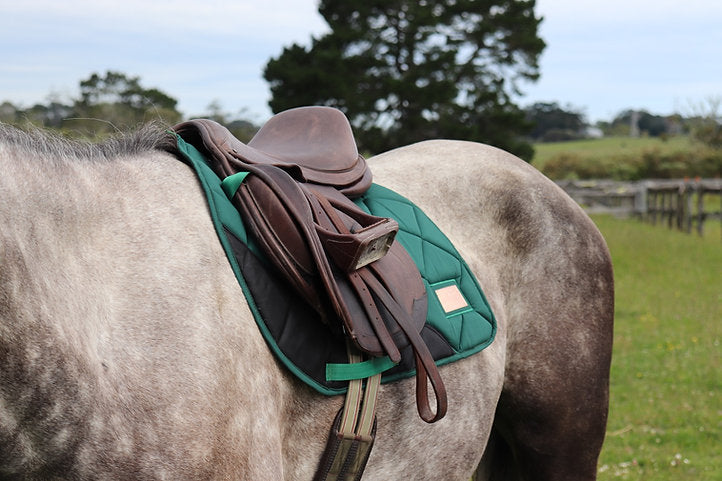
(641, 121)
(405, 71)
(242, 128)
(116, 101)
(8, 112)
(51, 115)
(553, 123)
(706, 122)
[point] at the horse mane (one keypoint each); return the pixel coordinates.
(149, 137)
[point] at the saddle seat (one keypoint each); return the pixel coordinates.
(312, 144)
(297, 176)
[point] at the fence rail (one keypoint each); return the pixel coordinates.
(679, 203)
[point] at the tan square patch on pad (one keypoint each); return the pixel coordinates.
(451, 298)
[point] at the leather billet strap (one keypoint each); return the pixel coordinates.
(426, 368)
(353, 431)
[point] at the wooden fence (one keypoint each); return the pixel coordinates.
(679, 203)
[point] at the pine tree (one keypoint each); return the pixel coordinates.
(405, 71)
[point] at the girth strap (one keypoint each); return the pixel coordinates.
(353, 431)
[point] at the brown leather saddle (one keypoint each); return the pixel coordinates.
(299, 173)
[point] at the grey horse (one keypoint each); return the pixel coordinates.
(127, 351)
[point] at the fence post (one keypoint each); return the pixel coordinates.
(688, 207)
(652, 206)
(680, 206)
(641, 204)
(700, 210)
(689, 193)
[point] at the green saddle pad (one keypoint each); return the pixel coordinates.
(459, 320)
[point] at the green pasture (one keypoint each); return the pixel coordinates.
(665, 418)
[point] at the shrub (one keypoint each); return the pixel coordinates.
(651, 164)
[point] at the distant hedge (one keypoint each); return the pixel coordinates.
(650, 164)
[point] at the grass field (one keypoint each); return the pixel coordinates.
(607, 146)
(666, 388)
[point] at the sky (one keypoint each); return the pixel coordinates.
(662, 56)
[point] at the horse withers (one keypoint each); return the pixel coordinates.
(125, 352)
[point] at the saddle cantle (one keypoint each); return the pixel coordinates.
(298, 174)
